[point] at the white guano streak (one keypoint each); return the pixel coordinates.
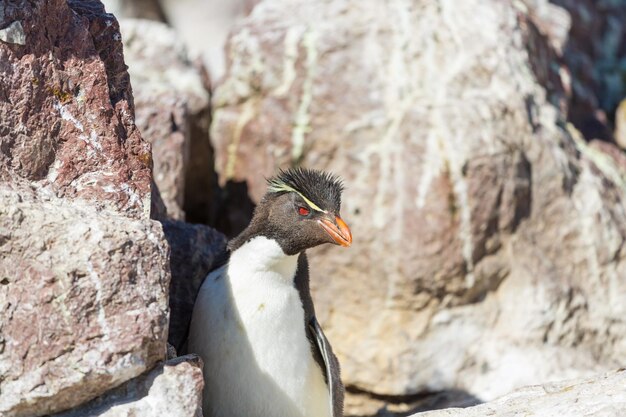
(247, 113)
(92, 139)
(303, 118)
(290, 57)
(451, 141)
(67, 116)
(102, 321)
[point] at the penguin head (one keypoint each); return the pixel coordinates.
(299, 211)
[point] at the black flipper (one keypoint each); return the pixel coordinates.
(331, 366)
(321, 349)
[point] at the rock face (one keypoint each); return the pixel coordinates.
(83, 300)
(172, 113)
(600, 396)
(66, 106)
(173, 389)
(84, 273)
(488, 239)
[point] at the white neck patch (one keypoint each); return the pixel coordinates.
(263, 255)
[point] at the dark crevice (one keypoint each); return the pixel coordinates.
(235, 208)
(409, 404)
(595, 63)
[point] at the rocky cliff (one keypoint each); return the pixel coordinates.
(484, 188)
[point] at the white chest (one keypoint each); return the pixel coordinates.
(249, 328)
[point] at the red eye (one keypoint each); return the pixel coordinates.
(303, 211)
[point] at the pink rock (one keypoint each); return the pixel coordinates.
(84, 272)
(67, 111)
(173, 114)
(83, 300)
(173, 388)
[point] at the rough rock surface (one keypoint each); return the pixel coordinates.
(488, 239)
(83, 270)
(173, 389)
(195, 251)
(599, 396)
(83, 300)
(66, 107)
(172, 112)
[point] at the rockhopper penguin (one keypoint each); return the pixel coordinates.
(254, 324)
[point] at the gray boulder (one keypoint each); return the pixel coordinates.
(172, 389)
(599, 396)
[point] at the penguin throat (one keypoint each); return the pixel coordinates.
(261, 255)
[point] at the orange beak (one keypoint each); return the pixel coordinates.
(339, 231)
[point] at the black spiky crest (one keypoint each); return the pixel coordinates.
(323, 189)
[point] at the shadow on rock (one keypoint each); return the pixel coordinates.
(408, 405)
(235, 208)
(195, 251)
